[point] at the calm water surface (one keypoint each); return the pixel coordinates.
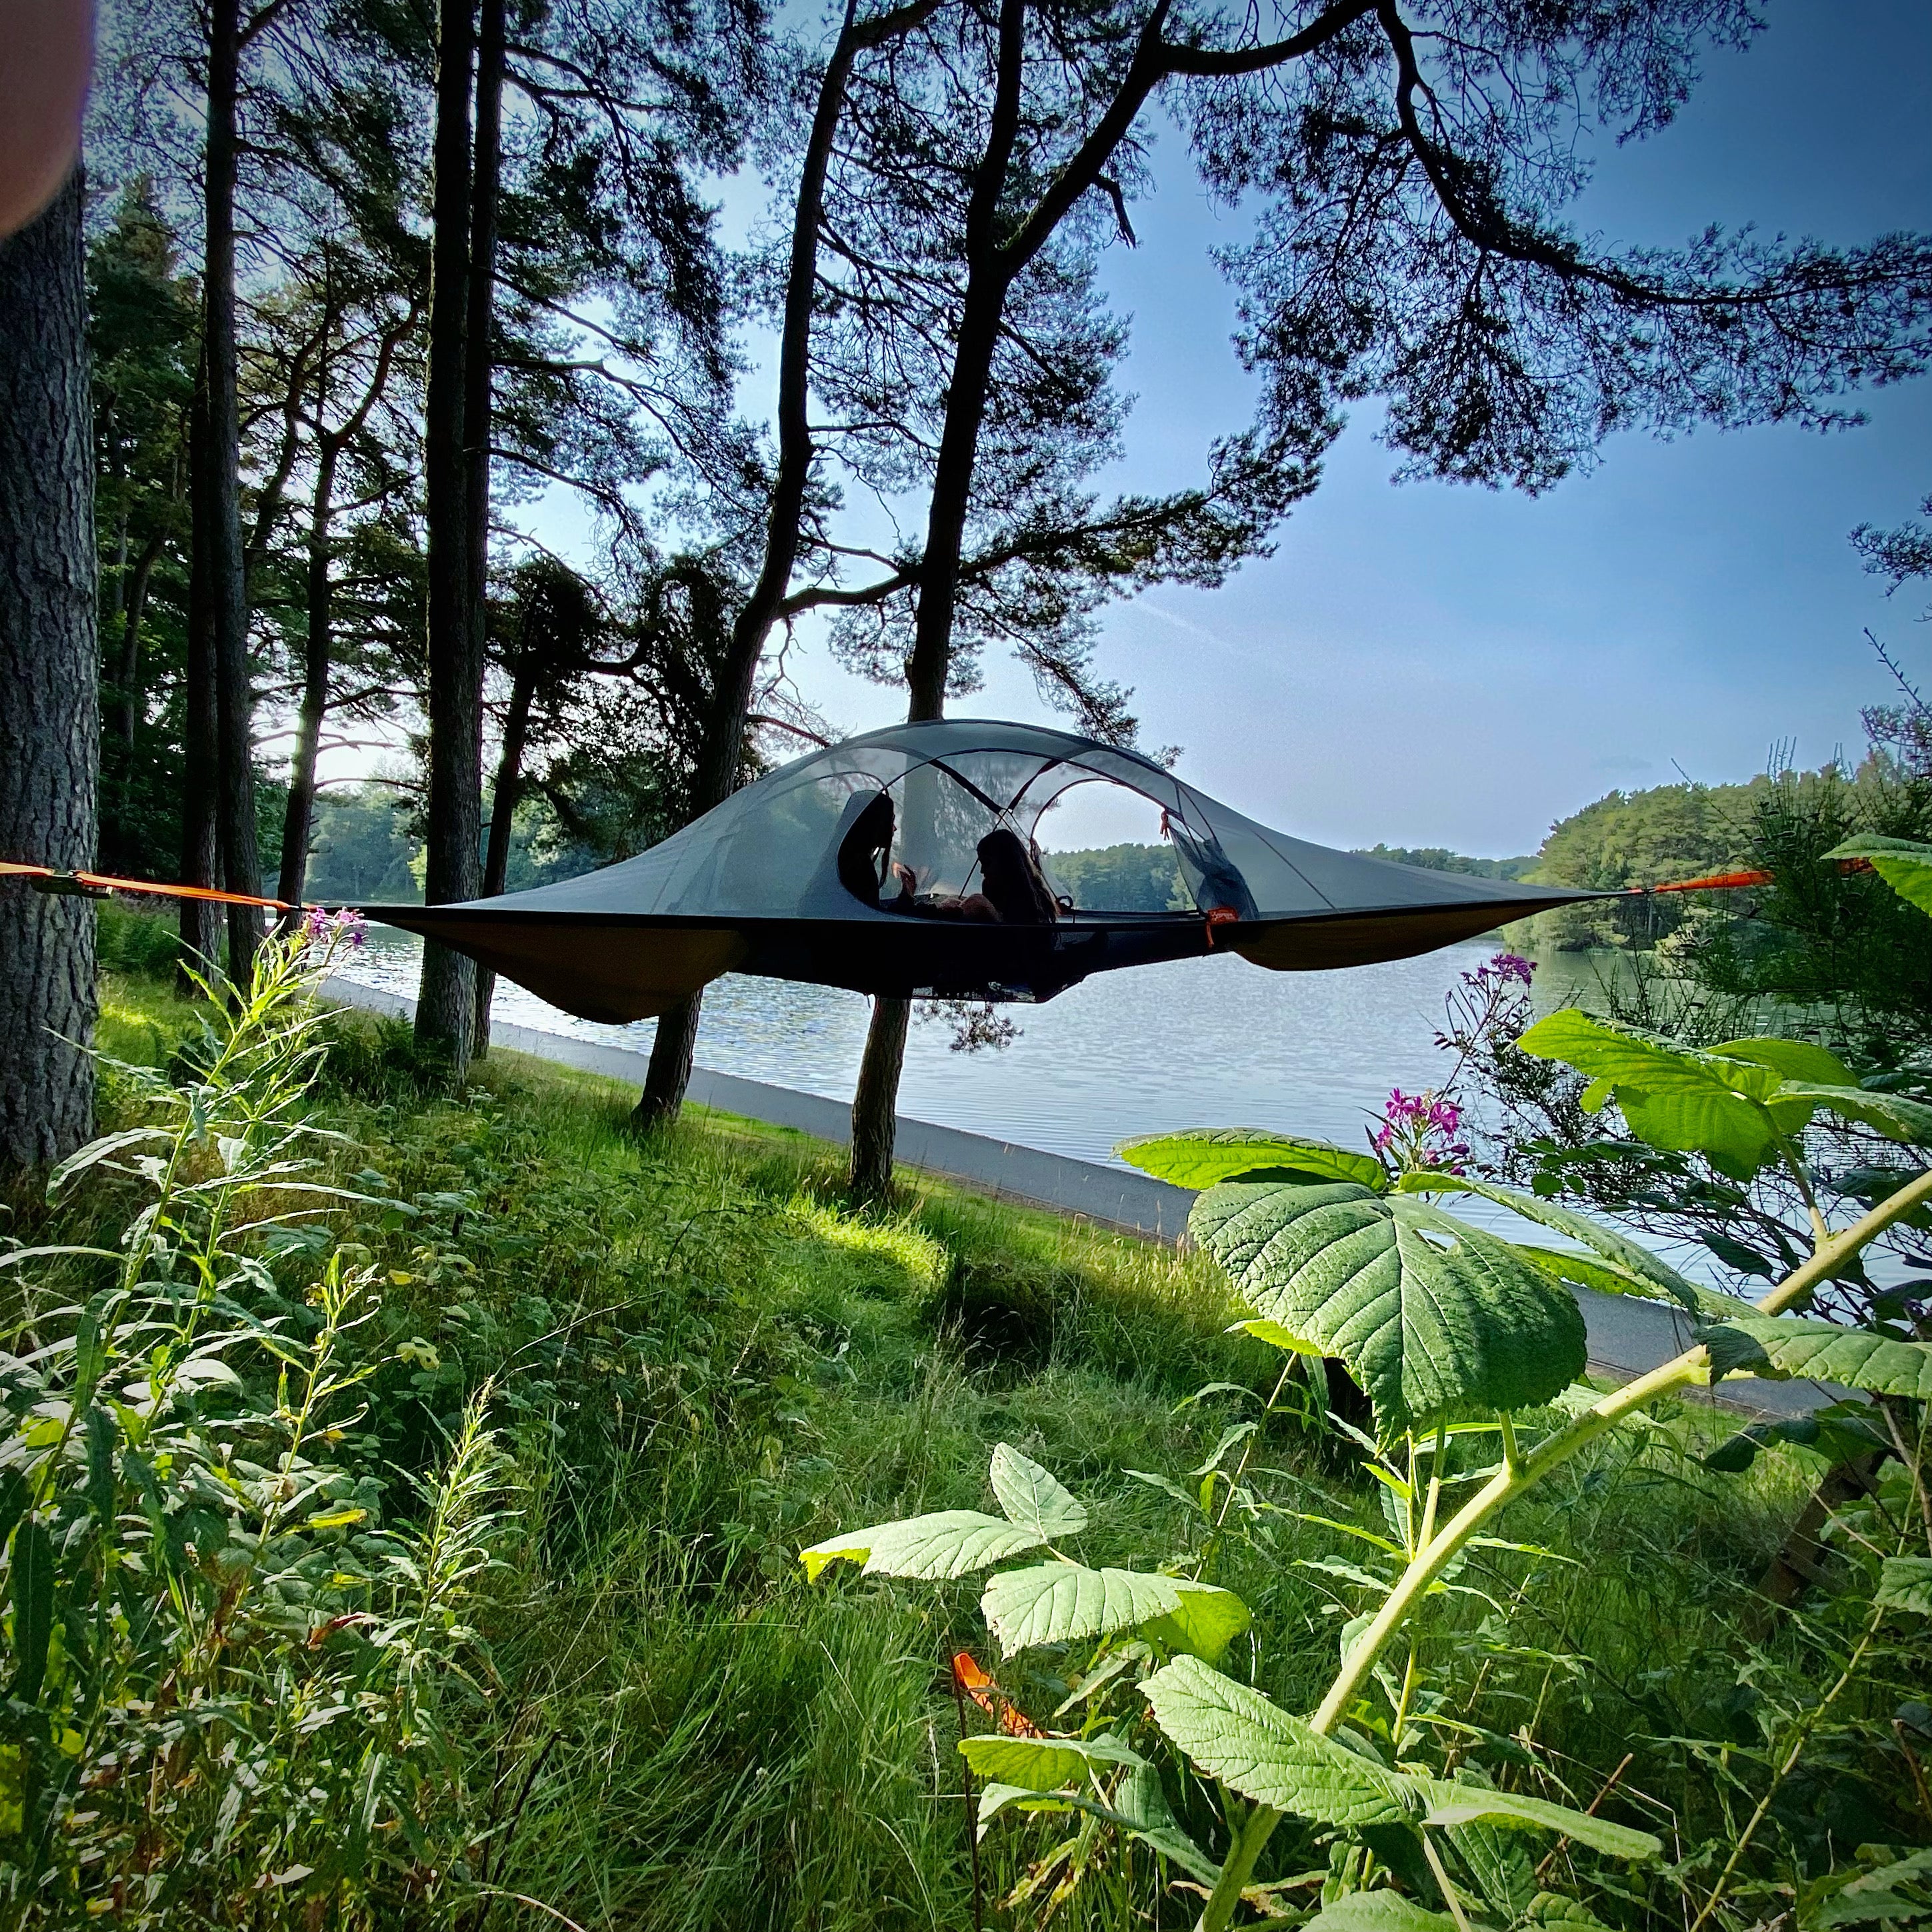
(1199, 1042)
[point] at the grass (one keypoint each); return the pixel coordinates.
(702, 1360)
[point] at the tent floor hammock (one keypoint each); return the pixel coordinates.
(904, 862)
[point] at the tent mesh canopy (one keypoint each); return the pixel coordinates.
(907, 861)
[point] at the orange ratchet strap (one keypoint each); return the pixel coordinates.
(46, 879)
(1725, 881)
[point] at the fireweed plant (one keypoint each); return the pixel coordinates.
(1453, 1332)
(228, 1680)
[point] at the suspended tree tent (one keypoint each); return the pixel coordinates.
(905, 863)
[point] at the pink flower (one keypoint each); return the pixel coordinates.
(329, 930)
(1418, 1130)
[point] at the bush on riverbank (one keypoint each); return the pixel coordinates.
(692, 1360)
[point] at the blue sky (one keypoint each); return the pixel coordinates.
(1432, 664)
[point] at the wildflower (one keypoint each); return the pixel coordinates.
(1419, 1130)
(327, 930)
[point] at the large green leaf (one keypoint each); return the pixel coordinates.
(1032, 1498)
(1646, 1273)
(1200, 1156)
(1383, 1911)
(1780, 1345)
(1626, 1056)
(1905, 1583)
(1434, 1318)
(33, 1566)
(1790, 1059)
(1891, 1114)
(1256, 1748)
(1055, 1603)
(950, 1543)
(1041, 1764)
(1464, 1804)
(1208, 1619)
(955, 1542)
(1904, 864)
(1673, 1097)
(1737, 1135)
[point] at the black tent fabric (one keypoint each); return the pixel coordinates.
(905, 861)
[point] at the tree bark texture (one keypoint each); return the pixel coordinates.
(219, 476)
(200, 756)
(445, 1009)
(299, 813)
(50, 717)
(673, 1047)
(503, 820)
(874, 1123)
(722, 751)
(989, 276)
(478, 378)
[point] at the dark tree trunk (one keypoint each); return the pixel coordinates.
(722, 752)
(874, 1124)
(988, 277)
(479, 376)
(673, 1048)
(446, 1009)
(503, 818)
(128, 673)
(298, 814)
(200, 755)
(221, 500)
(50, 717)
(118, 851)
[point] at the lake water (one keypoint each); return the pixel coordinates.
(1199, 1042)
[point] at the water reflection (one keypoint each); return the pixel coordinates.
(1197, 1043)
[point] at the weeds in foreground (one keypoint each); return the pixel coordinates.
(701, 1361)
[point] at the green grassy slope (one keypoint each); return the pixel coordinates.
(703, 1360)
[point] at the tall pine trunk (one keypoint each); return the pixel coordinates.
(722, 752)
(445, 1009)
(477, 398)
(875, 1101)
(50, 715)
(200, 751)
(120, 850)
(502, 822)
(318, 653)
(221, 500)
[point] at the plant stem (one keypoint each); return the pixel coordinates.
(1808, 1723)
(1510, 1481)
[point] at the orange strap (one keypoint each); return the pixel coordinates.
(1715, 882)
(103, 882)
(1724, 881)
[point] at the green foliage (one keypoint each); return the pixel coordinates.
(206, 1603)
(1841, 947)
(702, 1361)
(1120, 878)
(1439, 859)
(361, 850)
(1435, 1319)
(1202, 1156)
(1741, 1103)
(1784, 1345)
(1904, 864)
(1655, 837)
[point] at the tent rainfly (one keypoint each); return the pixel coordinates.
(905, 863)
